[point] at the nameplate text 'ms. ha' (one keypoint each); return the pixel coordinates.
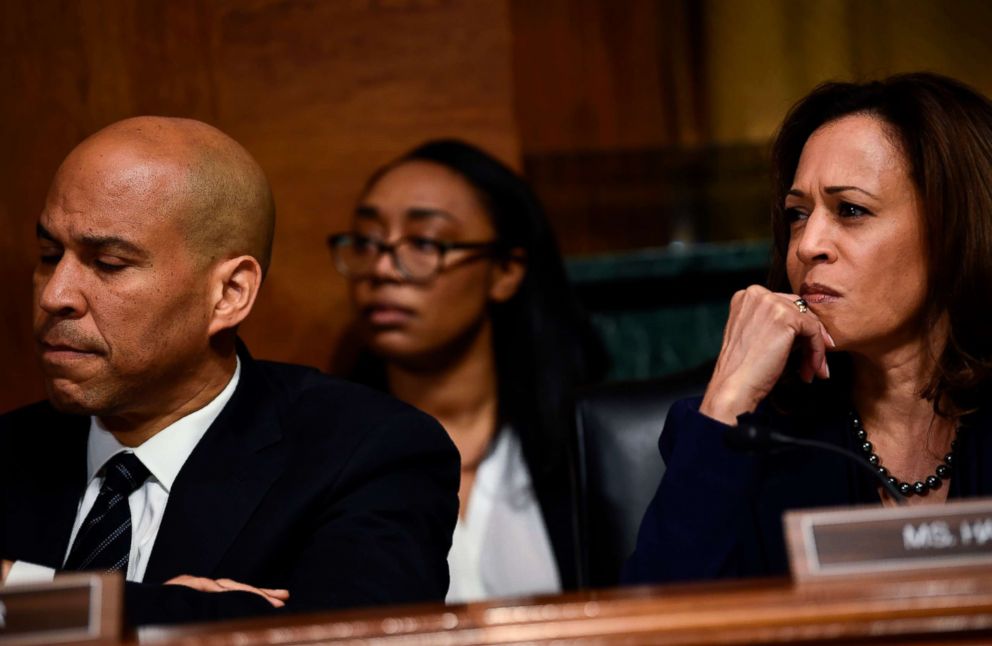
(877, 540)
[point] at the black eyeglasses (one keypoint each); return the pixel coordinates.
(416, 259)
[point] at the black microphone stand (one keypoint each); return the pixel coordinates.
(747, 436)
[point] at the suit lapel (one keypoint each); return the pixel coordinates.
(222, 482)
(47, 492)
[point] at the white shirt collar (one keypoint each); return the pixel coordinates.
(166, 452)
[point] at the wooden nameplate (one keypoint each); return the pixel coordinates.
(875, 540)
(72, 609)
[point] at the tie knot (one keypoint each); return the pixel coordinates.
(124, 473)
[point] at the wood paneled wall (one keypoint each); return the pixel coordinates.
(640, 122)
(645, 122)
(321, 92)
(764, 55)
(600, 75)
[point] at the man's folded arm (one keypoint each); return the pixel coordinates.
(381, 537)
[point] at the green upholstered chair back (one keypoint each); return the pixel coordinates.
(662, 311)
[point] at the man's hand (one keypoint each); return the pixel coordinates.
(5, 566)
(276, 597)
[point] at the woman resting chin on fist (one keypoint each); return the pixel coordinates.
(869, 338)
(763, 329)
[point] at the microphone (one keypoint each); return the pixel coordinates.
(747, 436)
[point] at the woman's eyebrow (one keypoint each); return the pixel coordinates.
(366, 212)
(830, 190)
(426, 213)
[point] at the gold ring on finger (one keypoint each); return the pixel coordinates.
(801, 305)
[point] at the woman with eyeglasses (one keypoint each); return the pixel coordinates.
(465, 311)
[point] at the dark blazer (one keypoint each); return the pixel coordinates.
(718, 513)
(331, 490)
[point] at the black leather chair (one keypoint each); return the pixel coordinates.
(618, 428)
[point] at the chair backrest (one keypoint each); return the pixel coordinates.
(619, 465)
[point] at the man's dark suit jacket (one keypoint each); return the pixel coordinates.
(718, 512)
(339, 494)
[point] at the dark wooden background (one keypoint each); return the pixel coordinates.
(321, 92)
(640, 122)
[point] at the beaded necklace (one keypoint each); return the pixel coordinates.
(920, 487)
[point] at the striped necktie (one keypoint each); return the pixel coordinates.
(104, 539)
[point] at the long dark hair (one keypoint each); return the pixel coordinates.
(544, 344)
(944, 128)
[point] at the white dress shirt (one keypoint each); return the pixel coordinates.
(164, 454)
(502, 548)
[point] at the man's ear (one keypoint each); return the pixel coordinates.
(508, 273)
(235, 286)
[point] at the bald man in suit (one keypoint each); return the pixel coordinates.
(219, 485)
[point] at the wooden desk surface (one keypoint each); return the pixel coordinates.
(943, 609)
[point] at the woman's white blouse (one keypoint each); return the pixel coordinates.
(501, 548)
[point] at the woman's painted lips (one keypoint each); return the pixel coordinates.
(818, 294)
(387, 314)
